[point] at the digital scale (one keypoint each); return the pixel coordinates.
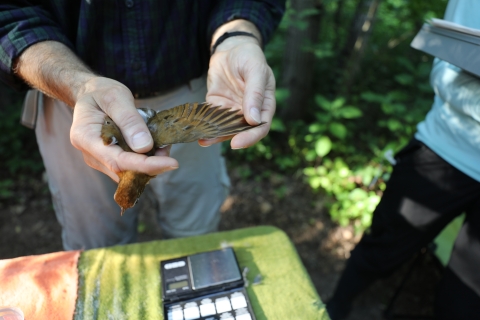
(205, 286)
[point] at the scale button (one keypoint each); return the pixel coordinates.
(207, 308)
(227, 316)
(175, 313)
(242, 314)
(238, 300)
(244, 317)
(191, 311)
(223, 305)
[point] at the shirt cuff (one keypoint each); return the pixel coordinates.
(19, 29)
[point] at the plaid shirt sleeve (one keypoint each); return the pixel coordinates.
(266, 15)
(21, 27)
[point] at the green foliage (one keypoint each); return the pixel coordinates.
(340, 145)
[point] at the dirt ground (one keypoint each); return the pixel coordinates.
(28, 226)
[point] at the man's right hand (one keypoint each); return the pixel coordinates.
(102, 96)
(55, 70)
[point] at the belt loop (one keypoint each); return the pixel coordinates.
(30, 108)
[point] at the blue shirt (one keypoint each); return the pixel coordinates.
(452, 127)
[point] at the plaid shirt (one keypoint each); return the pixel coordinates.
(149, 46)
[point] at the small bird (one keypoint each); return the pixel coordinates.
(181, 124)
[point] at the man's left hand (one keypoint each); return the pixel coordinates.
(239, 77)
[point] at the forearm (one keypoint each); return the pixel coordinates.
(54, 69)
(459, 89)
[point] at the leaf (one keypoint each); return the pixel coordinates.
(338, 130)
(277, 125)
(310, 171)
(315, 182)
(337, 103)
(316, 127)
(323, 103)
(358, 194)
(310, 155)
(281, 94)
(308, 12)
(404, 79)
(394, 124)
(323, 146)
(350, 112)
(373, 97)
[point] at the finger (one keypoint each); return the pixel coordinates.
(163, 152)
(255, 82)
(97, 165)
(117, 101)
(209, 142)
(248, 138)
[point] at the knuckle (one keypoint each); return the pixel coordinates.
(257, 96)
(110, 96)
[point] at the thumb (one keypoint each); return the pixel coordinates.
(121, 108)
(254, 95)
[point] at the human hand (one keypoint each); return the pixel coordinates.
(100, 96)
(240, 78)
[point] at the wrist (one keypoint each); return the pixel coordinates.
(230, 43)
(235, 26)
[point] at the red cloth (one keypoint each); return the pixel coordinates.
(43, 286)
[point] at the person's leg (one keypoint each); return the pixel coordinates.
(191, 196)
(82, 197)
(423, 194)
(459, 291)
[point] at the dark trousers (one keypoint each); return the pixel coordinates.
(423, 195)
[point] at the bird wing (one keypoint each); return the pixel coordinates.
(193, 121)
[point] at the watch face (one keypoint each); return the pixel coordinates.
(213, 268)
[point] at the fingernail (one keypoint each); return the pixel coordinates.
(255, 115)
(141, 139)
(237, 148)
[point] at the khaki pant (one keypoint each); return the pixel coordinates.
(188, 198)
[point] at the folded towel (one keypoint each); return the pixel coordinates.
(43, 286)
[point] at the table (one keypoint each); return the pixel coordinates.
(123, 282)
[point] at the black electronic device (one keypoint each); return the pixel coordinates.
(205, 286)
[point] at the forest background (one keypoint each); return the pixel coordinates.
(350, 92)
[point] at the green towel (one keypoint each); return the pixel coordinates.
(123, 282)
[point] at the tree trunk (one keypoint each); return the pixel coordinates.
(337, 24)
(352, 53)
(298, 63)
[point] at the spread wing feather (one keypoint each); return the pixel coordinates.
(193, 121)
